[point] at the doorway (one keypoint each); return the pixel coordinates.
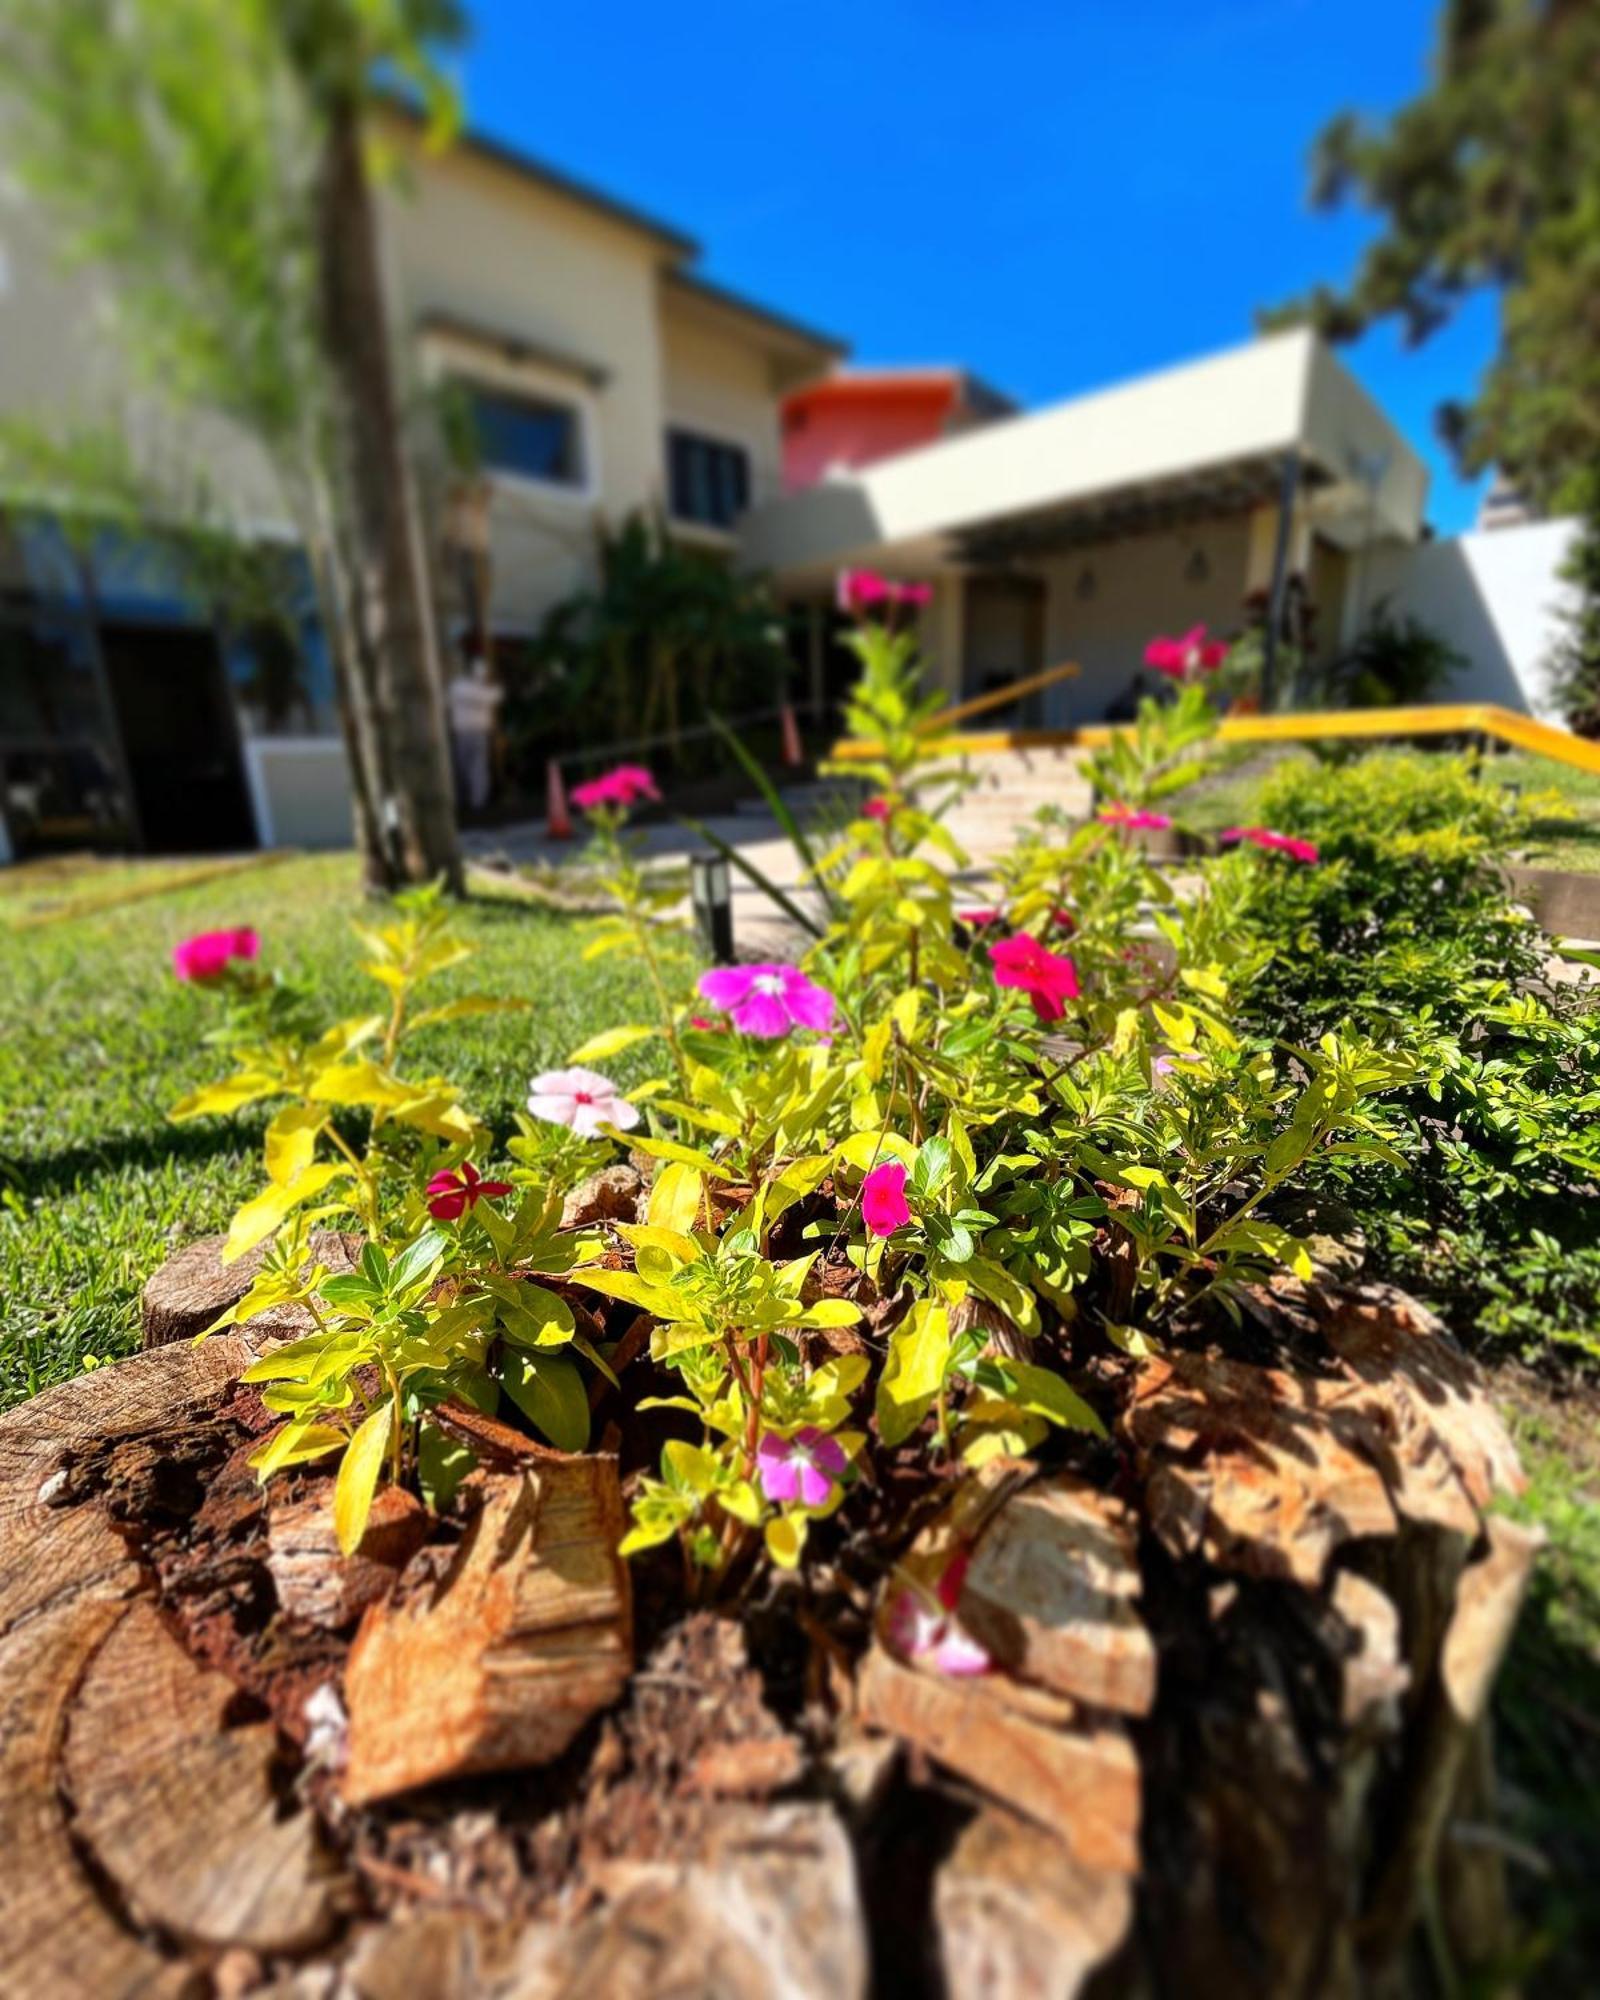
(1003, 641)
(179, 736)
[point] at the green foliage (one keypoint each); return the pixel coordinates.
(1394, 661)
(1483, 1200)
(1575, 661)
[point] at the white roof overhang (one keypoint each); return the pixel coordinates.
(1204, 439)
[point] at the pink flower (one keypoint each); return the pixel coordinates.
(876, 809)
(1135, 822)
(768, 1000)
(1274, 843)
(625, 786)
(1166, 1065)
(980, 920)
(1048, 978)
(207, 956)
(1063, 920)
(928, 1633)
(884, 1208)
(1191, 654)
(450, 1195)
(805, 1467)
(860, 589)
(580, 1099)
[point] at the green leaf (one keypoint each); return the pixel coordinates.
(669, 1149)
(1046, 1395)
(415, 1262)
(358, 1477)
(549, 1391)
(442, 1464)
(249, 1087)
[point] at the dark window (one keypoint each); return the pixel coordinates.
(709, 482)
(526, 435)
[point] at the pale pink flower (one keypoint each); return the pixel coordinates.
(805, 1467)
(625, 786)
(884, 1208)
(768, 1000)
(208, 956)
(928, 1634)
(580, 1099)
(979, 920)
(1134, 821)
(1274, 843)
(1048, 978)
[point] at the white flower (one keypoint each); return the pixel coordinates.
(580, 1099)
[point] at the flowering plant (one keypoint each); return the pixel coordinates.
(899, 1188)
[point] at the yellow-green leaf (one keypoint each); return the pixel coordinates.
(610, 1042)
(358, 1477)
(292, 1141)
(786, 1540)
(294, 1444)
(258, 1219)
(669, 1149)
(234, 1092)
(919, 1350)
(675, 1198)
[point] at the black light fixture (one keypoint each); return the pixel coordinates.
(1198, 569)
(711, 896)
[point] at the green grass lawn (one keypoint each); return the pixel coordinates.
(97, 1039)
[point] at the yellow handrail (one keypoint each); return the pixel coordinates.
(1524, 732)
(999, 697)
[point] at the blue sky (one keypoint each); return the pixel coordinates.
(1056, 193)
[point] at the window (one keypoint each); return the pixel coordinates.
(708, 482)
(530, 436)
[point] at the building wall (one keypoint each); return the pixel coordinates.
(1496, 595)
(824, 431)
(722, 387)
(1106, 601)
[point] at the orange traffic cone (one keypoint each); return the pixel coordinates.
(793, 749)
(557, 819)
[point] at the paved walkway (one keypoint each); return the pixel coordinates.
(1010, 789)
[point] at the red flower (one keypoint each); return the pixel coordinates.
(1048, 978)
(876, 809)
(625, 786)
(1275, 843)
(450, 1195)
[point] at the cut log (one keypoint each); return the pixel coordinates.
(179, 1810)
(499, 1663)
(1032, 1751)
(1050, 1593)
(187, 1294)
(314, 1580)
(1260, 1468)
(1019, 1919)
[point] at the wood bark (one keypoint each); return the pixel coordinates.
(1234, 1738)
(398, 709)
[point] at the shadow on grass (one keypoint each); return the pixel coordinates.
(148, 1150)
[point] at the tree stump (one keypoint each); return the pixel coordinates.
(188, 1293)
(1240, 1669)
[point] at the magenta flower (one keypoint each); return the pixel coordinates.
(928, 1634)
(860, 590)
(805, 1467)
(450, 1195)
(768, 1000)
(625, 786)
(980, 920)
(1274, 843)
(580, 1099)
(208, 956)
(884, 1208)
(1047, 977)
(1135, 822)
(1191, 654)
(876, 809)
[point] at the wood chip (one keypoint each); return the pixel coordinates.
(748, 1770)
(179, 1810)
(1018, 1918)
(1264, 1470)
(1080, 1781)
(1487, 1603)
(1051, 1590)
(318, 1584)
(611, 1195)
(1373, 1674)
(498, 1664)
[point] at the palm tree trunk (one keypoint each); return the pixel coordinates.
(397, 714)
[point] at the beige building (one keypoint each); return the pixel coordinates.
(602, 376)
